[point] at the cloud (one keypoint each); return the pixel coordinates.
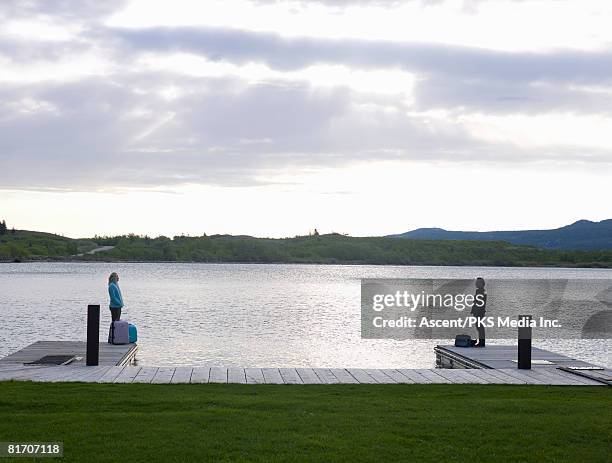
(512, 96)
(102, 133)
(493, 25)
(96, 134)
(73, 10)
(448, 76)
(460, 62)
(102, 107)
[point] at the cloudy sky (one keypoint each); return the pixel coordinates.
(271, 118)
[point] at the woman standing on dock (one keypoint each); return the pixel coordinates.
(478, 310)
(116, 300)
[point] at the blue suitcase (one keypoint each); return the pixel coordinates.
(133, 333)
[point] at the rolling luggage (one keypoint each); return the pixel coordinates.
(133, 333)
(119, 332)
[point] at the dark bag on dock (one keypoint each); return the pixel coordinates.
(463, 340)
(119, 332)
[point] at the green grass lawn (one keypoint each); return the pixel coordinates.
(166, 423)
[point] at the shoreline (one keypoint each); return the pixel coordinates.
(69, 261)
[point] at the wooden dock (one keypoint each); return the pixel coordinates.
(200, 375)
(505, 358)
(500, 357)
(109, 354)
(115, 367)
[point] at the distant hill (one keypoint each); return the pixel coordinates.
(24, 244)
(582, 235)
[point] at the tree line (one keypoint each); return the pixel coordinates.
(323, 249)
(340, 249)
(4, 228)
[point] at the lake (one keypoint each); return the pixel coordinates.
(259, 315)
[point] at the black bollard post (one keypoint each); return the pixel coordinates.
(524, 343)
(93, 335)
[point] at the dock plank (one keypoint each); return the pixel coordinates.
(127, 375)
(397, 376)
(236, 375)
(417, 378)
(290, 376)
(501, 377)
(328, 375)
(470, 376)
(361, 376)
(272, 376)
(29, 374)
(200, 375)
(111, 374)
(49, 374)
(601, 376)
(309, 376)
(24, 374)
(432, 375)
(558, 376)
(90, 374)
(18, 370)
(483, 376)
(218, 375)
(99, 374)
(182, 375)
(53, 374)
(18, 366)
(379, 376)
(69, 373)
(457, 377)
(518, 374)
(343, 376)
(544, 378)
(61, 374)
(145, 375)
(578, 378)
(163, 375)
(254, 376)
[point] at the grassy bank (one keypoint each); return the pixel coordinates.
(24, 244)
(167, 423)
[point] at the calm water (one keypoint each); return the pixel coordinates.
(237, 315)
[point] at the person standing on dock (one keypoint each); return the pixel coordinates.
(116, 300)
(479, 310)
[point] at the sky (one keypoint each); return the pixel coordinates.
(272, 118)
